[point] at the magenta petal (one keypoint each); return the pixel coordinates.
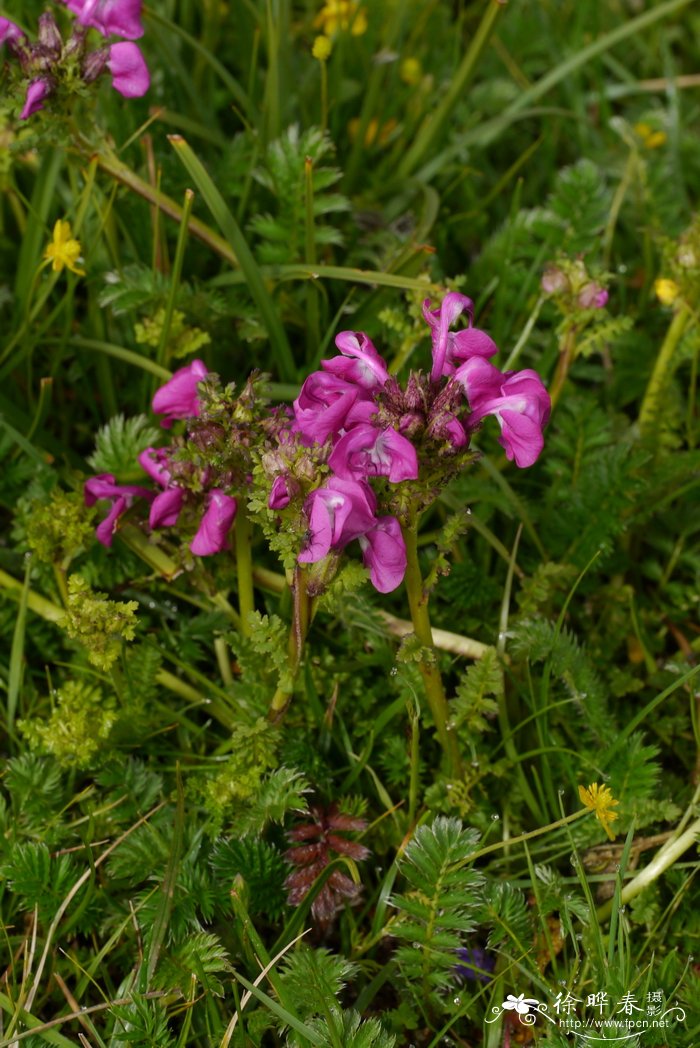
(440, 321)
(130, 76)
(109, 17)
(366, 451)
(155, 462)
(472, 342)
(384, 553)
(166, 508)
(360, 362)
(480, 381)
(104, 486)
(279, 494)
(338, 513)
(212, 534)
(323, 404)
(178, 397)
(105, 530)
(9, 32)
(37, 91)
(521, 437)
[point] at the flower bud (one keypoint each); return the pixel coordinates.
(94, 64)
(49, 37)
(592, 296)
(554, 280)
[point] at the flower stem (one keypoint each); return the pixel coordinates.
(244, 569)
(432, 680)
(662, 369)
(297, 638)
(567, 355)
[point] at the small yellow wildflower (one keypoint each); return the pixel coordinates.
(64, 250)
(666, 290)
(650, 139)
(411, 71)
(600, 800)
(343, 15)
(321, 48)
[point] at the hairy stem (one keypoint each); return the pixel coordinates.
(432, 680)
(244, 569)
(295, 649)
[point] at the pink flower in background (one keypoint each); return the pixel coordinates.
(130, 76)
(450, 348)
(212, 534)
(9, 32)
(384, 553)
(165, 508)
(177, 399)
(110, 17)
(366, 451)
(156, 463)
(360, 362)
(37, 92)
(121, 496)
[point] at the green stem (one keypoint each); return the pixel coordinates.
(432, 680)
(662, 861)
(297, 638)
(662, 370)
(163, 354)
(567, 355)
(244, 570)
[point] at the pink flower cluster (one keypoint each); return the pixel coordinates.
(177, 399)
(375, 429)
(42, 61)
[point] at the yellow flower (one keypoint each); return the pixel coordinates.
(411, 71)
(321, 48)
(600, 800)
(666, 290)
(650, 139)
(341, 14)
(63, 250)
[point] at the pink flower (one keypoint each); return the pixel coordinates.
(130, 76)
(323, 405)
(337, 513)
(212, 534)
(166, 508)
(450, 348)
(360, 362)
(178, 397)
(592, 296)
(110, 17)
(366, 451)
(37, 91)
(155, 462)
(384, 553)
(280, 494)
(519, 401)
(9, 32)
(121, 496)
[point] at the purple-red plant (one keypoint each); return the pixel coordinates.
(316, 844)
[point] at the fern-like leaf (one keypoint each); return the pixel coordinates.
(119, 443)
(438, 909)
